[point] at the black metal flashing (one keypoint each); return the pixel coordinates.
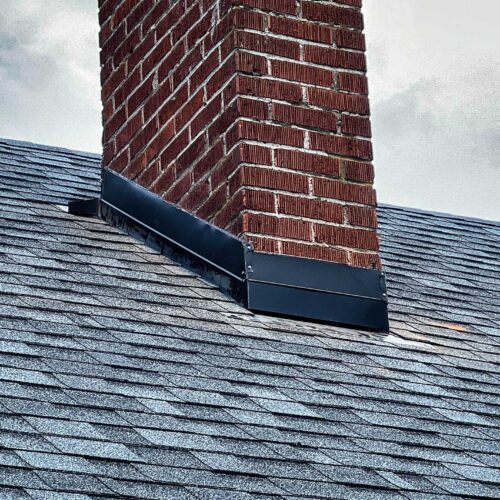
(272, 284)
(85, 208)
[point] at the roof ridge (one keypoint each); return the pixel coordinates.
(443, 215)
(48, 147)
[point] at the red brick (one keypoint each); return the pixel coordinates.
(338, 101)
(173, 58)
(277, 226)
(335, 57)
(366, 260)
(350, 39)
(265, 245)
(206, 115)
(243, 18)
(362, 172)
(340, 190)
(195, 149)
(250, 153)
(208, 161)
(253, 108)
(248, 85)
(188, 20)
(114, 123)
(251, 63)
(151, 61)
(305, 117)
(186, 67)
(356, 125)
(262, 201)
(179, 189)
(302, 73)
(174, 148)
(221, 77)
(223, 122)
(148, 176)
(159, 142)
(226, 169)
(346, 237)
(169, 106)
(154, 15)
(164, 181)
(350, 82)
(271, 134)
(140, 95)
(196, 195)
(186, 113)
(209, 65)
(135, 167)
(267, 44)
(311, 208)
(344, 146)
(213, 204)
(314, 163)
(200, 29)
(270, 179)
(300, 29)
(332, 14)
(282, 6)
(312, 251)
(362, 216)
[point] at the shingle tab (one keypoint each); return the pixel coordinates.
(124, 375)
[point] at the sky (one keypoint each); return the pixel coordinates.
(434, 73)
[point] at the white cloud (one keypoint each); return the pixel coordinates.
(49, 72)
(434, 68)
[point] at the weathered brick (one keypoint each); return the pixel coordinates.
(338, 101)
(351, 82)
(252, 108)
(362, 216)
(314, 251)
(266, 44)
(332, 14)
(270, 179)
(362, 172)
(302, 73)
(311, 208)
(350, 39)
(305, 117)
(277, 226)
(335, 58)
(282, 6)
(251, 63)
(356, 125)
(340, 190)
(248, 85)
(270, 134)
(346, 237)
(212, 205)
(306, 162)
(301, 29)
(344, 146)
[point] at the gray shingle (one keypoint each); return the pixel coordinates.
(123, 375)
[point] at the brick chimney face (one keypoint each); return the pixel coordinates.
(251, 114)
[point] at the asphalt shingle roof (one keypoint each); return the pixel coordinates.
(122, 375)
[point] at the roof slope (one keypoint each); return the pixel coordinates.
(123, 375)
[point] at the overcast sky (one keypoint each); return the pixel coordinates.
(434, 69)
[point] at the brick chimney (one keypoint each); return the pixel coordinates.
(250, 114)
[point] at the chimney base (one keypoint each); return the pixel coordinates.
(280, 285)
